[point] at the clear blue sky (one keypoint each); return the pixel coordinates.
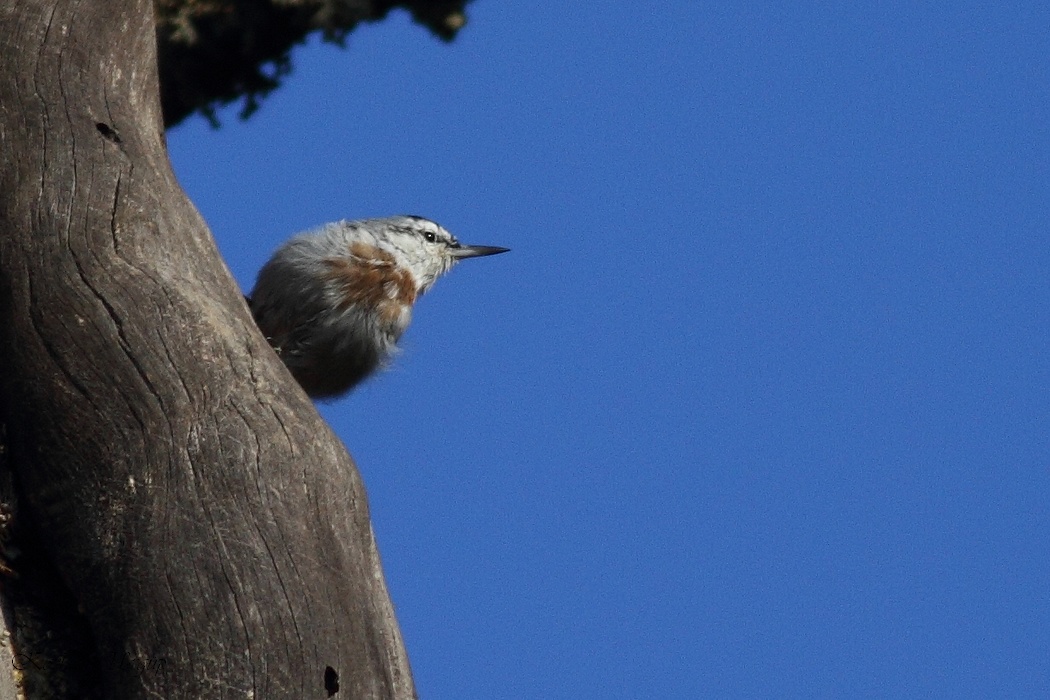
(758, 404)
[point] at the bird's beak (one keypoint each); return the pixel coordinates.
(475, 251)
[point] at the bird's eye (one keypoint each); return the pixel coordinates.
(430, 236)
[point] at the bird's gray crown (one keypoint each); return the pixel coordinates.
(425, 249)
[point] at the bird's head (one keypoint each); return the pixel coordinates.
(425, 249)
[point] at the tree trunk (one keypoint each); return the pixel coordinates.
(189, 526)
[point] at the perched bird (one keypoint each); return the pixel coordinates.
(334, 301)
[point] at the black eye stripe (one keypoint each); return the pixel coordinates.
(428, 235)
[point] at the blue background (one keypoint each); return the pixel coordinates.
(758, 404)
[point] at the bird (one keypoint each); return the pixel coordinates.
(334, 301)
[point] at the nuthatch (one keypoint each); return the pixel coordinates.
(334, 301)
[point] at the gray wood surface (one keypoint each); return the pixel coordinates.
(207, 531)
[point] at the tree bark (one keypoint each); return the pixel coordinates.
(189, 525)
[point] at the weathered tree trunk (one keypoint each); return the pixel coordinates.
(190, 527)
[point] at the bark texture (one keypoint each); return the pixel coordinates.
(188, 526)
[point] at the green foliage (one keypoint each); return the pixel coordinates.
(214, 52)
